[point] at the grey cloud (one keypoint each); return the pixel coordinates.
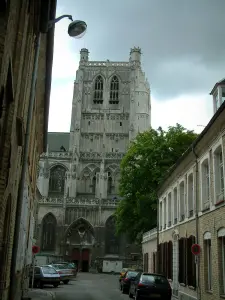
(188, 36)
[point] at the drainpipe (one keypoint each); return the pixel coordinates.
(197, 258)
(157, 266)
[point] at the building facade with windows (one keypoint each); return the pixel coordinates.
(191, 211)
(79, 174)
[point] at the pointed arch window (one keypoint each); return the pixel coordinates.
(48, 233)
(98, 92)
(112, 241)
(94, 184)
(114, 90)
(57, 180)
(110, 184)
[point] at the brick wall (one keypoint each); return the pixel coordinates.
(16, 65)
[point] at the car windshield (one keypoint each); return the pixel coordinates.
(151, 278)
(71, 265)
(59, 267)
(49, 270)
(131, 274)
(124, 270)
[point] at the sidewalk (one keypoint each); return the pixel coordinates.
(38, 294)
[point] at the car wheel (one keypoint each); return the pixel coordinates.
(137, 297)
(55, 285)
(39, 284)
(130, 295)
(66, 281)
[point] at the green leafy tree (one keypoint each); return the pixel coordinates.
(143, 168)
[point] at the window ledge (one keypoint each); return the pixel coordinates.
(222, 296)
(205, 209)
(192, 287)
(219, 202)
(209, 291)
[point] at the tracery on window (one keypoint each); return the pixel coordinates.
(57, 180)
(111, 239)
(98, 93)
(49, 233)
(94, 184)
(110, 184)
(114, 91)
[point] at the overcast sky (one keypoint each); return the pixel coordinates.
(183, 45)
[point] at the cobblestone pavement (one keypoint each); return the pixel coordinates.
(90, 287)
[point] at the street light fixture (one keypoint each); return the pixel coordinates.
(76, 29)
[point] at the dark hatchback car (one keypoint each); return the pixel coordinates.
(126, 280)
(44, 275)
(150, 286)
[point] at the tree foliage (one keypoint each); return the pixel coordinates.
(143, 168)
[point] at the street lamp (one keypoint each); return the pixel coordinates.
(76, 29)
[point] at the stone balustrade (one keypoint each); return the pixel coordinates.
(149, 235)
(59, 154)
(79, 201)
(105, 64)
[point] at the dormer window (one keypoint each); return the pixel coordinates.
(223, 94)
(114, 90)
(218, 93)
(98, 92)
(217, 100)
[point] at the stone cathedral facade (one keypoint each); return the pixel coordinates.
(79, 175)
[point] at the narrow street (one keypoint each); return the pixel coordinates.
(90, 287)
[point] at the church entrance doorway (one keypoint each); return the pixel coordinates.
(76, 257)
(85, 260)
(81, 258)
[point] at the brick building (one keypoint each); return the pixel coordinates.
(20, 21)
(191, 210)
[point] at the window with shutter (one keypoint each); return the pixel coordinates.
(170, 260)
(154, 262)
(189, 261)
(165, 259)
(146, 262)
(161, 258)
(183, 260)
(193, 264)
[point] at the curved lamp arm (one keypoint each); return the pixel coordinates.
(52, 22)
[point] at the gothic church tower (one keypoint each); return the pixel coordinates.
(111, 105)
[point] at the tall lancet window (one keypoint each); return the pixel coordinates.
(114, 90)
(98, 93)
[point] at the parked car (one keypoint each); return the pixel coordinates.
(126, 280)
(122, 273)
(69, 265)
(150, 286)
(44, 275)
(65, 274)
